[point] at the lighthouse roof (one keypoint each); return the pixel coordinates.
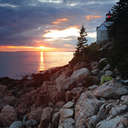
(104, 26)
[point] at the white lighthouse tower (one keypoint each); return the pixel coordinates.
(103, 29)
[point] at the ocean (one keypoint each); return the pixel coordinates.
(18, 64)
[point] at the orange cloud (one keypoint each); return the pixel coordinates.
(69, 45)
(92, 17)
(58, 21)
(16, 48)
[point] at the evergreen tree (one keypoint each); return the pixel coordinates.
(119, 33)
(120, 11)
(82, 42)
(120, 22)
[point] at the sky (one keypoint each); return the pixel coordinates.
(49, 25)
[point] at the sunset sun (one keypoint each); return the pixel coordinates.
(42, 48)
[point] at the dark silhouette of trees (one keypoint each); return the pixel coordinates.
(119, 33)
(120, 11)
(120, 20)
(82, 42)
(84, 52)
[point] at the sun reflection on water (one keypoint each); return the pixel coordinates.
(49, 60)
(41, 67)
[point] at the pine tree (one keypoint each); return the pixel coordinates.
(120, 20)
(119, 28)
(120, 11)
(119, 32)
(82, 42)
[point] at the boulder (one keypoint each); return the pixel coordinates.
(31, 123)
(16, 124)
(55, 120)
(102, 63)
(51, 92)
(8, 115)
(73, 94)
(92, 87)
(108, 73)
(94, 65)
(67, 71)
(45, 117)
(103, 113)
(80, 73)
(91, 121)
(78, 76)
(35, 114)
(91, 80)
(86, 106)
(41, 96)
(111, 89)
(124, 120)
(113, 123)
(95, 71)
(124, 99)
(77, 91)
(22, 108)
(79, 66)
(68, 123)
(11, 100)
(69, 104)
(59, 104)
(3, 89)
(66, 113)
(103, 60)
(107, 67)
(119, 109)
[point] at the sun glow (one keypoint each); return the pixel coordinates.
(25, 48)
(42, 48)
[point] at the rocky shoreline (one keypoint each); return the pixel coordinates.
(65, 97)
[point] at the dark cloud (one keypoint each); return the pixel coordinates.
(23, 21)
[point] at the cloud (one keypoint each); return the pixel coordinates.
(74, 3)
(51, 1)
(92, 35)
(20, 2)
(68, 45)
(92, 17)
(49, 22)
(60, 34)
(8, 5)
(58, 21)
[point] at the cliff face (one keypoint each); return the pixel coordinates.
(66, 97)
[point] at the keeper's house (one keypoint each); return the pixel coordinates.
(103, 30)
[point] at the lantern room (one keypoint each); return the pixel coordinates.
(108, 16)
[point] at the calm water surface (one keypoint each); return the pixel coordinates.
(17, 64)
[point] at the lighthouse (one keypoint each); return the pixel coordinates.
(104, 28)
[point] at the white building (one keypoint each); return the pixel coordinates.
(103, 32)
